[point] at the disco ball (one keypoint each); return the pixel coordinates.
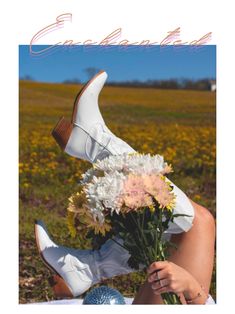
(104, 295)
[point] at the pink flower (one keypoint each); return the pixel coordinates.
(153, 184)
(157, 186)
(165, 199)
(134, 195)
(138, 191)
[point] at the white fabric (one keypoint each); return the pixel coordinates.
(74, 302)
(210, 300)
(111, 260)
(128, 301)
(182, 206)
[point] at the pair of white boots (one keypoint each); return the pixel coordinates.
(87, 137)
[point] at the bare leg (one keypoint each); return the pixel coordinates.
(195, 254)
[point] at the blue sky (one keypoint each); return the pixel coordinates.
(120, 63)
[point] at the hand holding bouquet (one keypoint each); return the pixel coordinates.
(128, 196)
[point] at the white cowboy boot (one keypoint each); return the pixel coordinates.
(86, 136)
(80, 269)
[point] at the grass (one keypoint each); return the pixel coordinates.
(180, 125)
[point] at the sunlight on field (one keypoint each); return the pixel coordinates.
(180, 125)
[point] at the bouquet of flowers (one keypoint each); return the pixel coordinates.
(130, 197)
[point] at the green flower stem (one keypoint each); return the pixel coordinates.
(168, 297)
(149, 242)
(142, 236)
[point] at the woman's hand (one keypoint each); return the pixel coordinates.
(168, 277)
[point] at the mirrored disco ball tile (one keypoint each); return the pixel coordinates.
(104, 295)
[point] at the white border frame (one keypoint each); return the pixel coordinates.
(138, 20)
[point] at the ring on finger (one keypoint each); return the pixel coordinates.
(163, 283)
